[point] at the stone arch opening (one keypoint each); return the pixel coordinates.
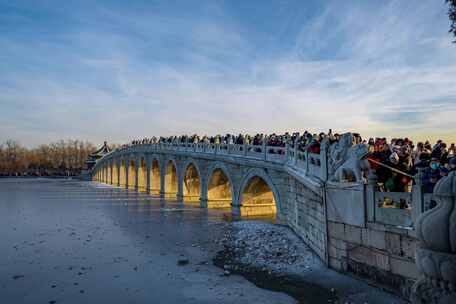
(171, 180)
(123, 174)
(155, 178)
(192, 184)
(219, 194)
(131, 174)
(257, 198)
(142, 175)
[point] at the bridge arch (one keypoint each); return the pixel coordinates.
(155, 176)
(258, 195)
(171, 179)
(191, 181)
(219, 187)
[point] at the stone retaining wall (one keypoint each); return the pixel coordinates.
(379, 253)
(305, 213)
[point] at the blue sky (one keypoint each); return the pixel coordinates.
(117, 70)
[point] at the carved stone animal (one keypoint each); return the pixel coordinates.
(338, 152)
(353, 168)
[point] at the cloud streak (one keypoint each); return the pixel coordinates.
(116, 73)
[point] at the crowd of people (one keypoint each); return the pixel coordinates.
(404, 159)
(304, 141)
(395, 162)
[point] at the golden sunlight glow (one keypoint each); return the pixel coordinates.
(257, 198)
(192, 184)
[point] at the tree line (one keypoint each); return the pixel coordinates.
(61, 158)
(452, 15)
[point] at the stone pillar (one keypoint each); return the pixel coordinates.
(371, 187)
(417, 196)
(117, 168)
(324, 159)
(137, 164)
(236, 203)
(180, 181)
(162, 178)
(436, 254)
(148, 168)
(127, 172)
(204, 183)
(203, 191)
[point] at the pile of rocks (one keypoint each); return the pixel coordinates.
(251, 246)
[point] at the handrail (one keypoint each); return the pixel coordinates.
(389, 167)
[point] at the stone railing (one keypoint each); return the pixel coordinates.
(307, 163)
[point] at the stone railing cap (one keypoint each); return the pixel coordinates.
(446, 186)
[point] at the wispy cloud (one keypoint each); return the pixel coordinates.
(380, 68)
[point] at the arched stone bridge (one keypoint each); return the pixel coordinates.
(348, 222)
(251, 180)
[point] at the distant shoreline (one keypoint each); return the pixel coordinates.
(47, 176)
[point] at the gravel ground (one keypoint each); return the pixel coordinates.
(274, 257)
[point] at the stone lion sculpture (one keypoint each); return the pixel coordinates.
(338, 152)
(354, 166)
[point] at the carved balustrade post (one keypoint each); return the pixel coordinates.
(435, 256)
(264, 148)
(324, 147)
(417, 196)
(295, 159)
(307, 161)
(371, 188)
(287, 151)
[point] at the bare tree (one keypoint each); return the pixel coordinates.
(452, 15)
(59, 158)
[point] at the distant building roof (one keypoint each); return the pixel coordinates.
(94, 156)
(102, 151)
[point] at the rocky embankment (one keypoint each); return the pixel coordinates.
(274, 257)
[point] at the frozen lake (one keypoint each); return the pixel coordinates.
(65, 241)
